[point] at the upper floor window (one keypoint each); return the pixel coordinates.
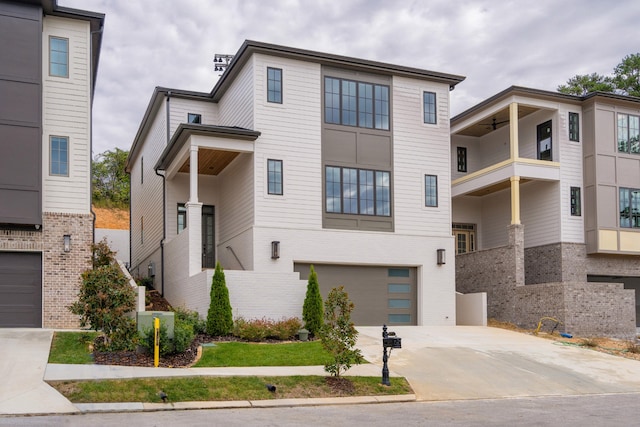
(274, 172)
(58, 57)
(429, 102)
(544, 141)
(182, 217)
(142, 170)
(628, 133)
(351, 103)
(462, 159)
(357, 191)
(629, 208)
(431, 190)
(59, 156)
(575, 201)
(194, 118)
(274, 85)
(574, 127)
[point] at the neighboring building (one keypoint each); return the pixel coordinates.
(48, 63)
(546, 202)
(300, 158)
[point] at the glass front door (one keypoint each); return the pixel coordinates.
(208, 237)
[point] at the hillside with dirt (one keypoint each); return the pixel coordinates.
(113, 219)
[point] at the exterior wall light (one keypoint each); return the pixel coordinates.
(441, 257)
(66, 243)
(275, 249)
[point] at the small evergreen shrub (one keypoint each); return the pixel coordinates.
(312, 311)
(285, 329)
(102, 254)
(147, 340)
(257, 330)
(183, 335)
(219, 316)
(191, 317)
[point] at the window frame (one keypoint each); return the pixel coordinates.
(539, 130)
(51, 61)
(427, 190)
(359, 103)
(275, 95)
(181, 213)
(194, 118)
(279, 174)
(461, 154)
(59, 139)
(574, 126)
(628, 141)
(429, 115)
(633, 218)
(381, 194)
(575, 201)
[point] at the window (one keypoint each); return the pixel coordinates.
(465, 235)
(544, 141)
(575, 201)
(274, 172)
(629, 208)
(182, 217)
(462, 159)
(574, 127)
(274, 85)
(352, 103)
(431, 190)
(58, 57)
(59, 156)
(429, 102)
(628, 133)
(357, 191)
(194, 118)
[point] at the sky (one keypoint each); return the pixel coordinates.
(494, 43)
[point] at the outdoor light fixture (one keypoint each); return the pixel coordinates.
(275, 249)
(441, 257)
(67, 243)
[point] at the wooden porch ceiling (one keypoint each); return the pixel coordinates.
(501, 118)
(494, 188)
(210, 162)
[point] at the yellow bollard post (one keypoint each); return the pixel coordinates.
(156, 342)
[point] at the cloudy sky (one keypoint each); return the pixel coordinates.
(494, 43)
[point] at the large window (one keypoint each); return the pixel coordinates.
(544, 141)
(182, 217)
(274, 85)
(430, 190)
(274, 172)
(58, 57)
(574, 127)
(629, 208)
(352, 103)
(357, 191)
(429, 102)
(628, 133)
(59, 156)
(575, 201)
(462, 158)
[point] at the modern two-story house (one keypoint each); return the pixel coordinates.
(48, 62)
(546, 208)
(297, 158)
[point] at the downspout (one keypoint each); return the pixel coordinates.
(91, 83)
(164, 201)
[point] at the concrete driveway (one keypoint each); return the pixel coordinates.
(468, 362)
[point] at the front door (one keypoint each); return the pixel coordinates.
(208, 237)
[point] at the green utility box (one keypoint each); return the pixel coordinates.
(167, 319)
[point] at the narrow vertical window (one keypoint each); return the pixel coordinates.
(575, 202)
(349, 108)
(142, 170)
(430, 190)
(381, 107)
(58, 57)
(544, 141)
(383, 194)
(462, 159)
(350, 190)
(332, 188)
(574, 127)
(628, 133)
(367, 200)
(365, 105)
(332, 100)
(59, 156)
(142, 230)
(274, 172)
(629, 208)
(429, 102)
(274, 85)
(182, 217)
(194, 118)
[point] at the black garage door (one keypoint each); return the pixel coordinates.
(20, 289)
(381, 295)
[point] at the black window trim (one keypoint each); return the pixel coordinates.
(196, 116)
(628, 141)
(280, 91)
(375, 195)
(575, 201)
(631, 219)
(340, 79)
(281, 177)
(180, 213)
(435, 107)
(462, 166)
(425, 191)
(575, 135)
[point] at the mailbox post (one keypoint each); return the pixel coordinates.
(389, 340)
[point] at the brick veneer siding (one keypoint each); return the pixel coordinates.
(61, 270)
(559, 262)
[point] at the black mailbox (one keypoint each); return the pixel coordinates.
(392, 342)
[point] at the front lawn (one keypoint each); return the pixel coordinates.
(249, 354)
(72, 347)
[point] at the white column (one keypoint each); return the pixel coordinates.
(194, 216)
(193, 174)
(513, 130)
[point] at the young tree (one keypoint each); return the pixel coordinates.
(219, 316)
(312, 309)
(626, 75)
(583, 84)
(110, 181)
(338, 334)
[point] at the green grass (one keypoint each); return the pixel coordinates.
(220, 388)
(72, 347)
(247, 354)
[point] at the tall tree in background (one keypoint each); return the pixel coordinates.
(627, 75)
(110, 181)
(583, 84)
(624, 80)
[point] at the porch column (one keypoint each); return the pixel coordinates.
(193, 174)
(515, 200)
(513, 130)
(194, 216)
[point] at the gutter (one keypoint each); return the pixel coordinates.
(164, 200)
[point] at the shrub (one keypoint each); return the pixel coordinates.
(251, 330)
(312, 309)
(147, 340)
(191, 317)
(219, 316)
(102, 254)
(285, 329)
(182, 335)
(338, 334)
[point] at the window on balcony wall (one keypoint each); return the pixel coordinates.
(58, 57)
(628, 133)
(182, 217)
(351, 103)
(575, 202)
(574, 127)
(544, 141)
(274, 85)
(430, 190)
(59, 156)
(462, 159)
(194, 118)
(357, 191)
(429, 102)
(274, 172)
(629, 208)
(465, 235)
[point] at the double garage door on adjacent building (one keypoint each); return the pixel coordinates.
(21, 289)
(381, 295)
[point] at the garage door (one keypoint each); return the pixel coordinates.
(20, 289)
(381, 295)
